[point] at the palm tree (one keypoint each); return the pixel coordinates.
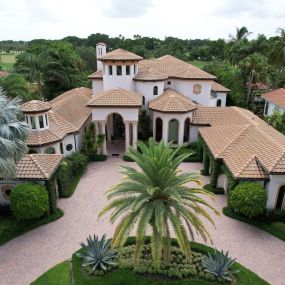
(277, 54)
(12, 136)
(157, 198)
(241, 34)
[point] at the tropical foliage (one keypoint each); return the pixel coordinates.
(277, 120)
(157, 198)
(13, 133)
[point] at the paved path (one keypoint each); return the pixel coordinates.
(25, 258)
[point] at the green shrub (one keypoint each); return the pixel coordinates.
(5, 210)
(97, 157)
(279, 226)
(29, 201)
(249, 199)
(127, 158)
(218, 191)
(79, 163)
(276, 216)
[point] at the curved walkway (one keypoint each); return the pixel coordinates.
(25, 258)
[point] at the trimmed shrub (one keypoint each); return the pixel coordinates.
(79, 163)
(97, 157)
(249, 199)
(29, 201)
(215, 190)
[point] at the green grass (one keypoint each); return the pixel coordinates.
(199, 63)
(124, 277)
(58, 275)
(272, 228)
(11, 228)
(7, 61)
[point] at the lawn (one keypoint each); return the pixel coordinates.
(11, 228)
(7, 61)
(276, 229)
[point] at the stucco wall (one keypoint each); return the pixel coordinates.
(97, 86)
(276, 181)
(129, 114)
(194, 131)
(273, 108)
(70, 139)
(222, 182)
(223, 97)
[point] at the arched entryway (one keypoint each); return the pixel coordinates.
(158, 129)
(186, 137)
(173, 131)
(219, 103)
(280, 203)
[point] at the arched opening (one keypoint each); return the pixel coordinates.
(155, 90)
(158, 129)
(219, 103)
(173, 131)
(115, 134)
(280, 204)
(186, 137)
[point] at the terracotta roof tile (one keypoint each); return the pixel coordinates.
(35, 106)
(117, 97)
(149, 74)
(96, 75)
(172, 102)
(276, 97)
(38, 166)
(217, 87)
(120, 55)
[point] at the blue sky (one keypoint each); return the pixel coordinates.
(53, 19)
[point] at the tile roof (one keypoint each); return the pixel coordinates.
(276, 97)
(120, 55)
(217, 87)
(172, 102)
(35, 106)
(69, 112)
(117, 97)
(173, 67)
(243, 141)
(149, 74)
(38, 166)
(96, 75)
(258, 86)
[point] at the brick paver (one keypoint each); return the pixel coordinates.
(25, 258)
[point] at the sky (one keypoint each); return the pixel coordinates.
(186, 19)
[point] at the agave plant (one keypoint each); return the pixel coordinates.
(219, 264)
(97, 254)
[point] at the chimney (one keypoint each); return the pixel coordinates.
(100, 51)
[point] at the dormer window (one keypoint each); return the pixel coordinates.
(110, 69)
(155, 90)
(41, 122)
(128, 70)
(119, 70)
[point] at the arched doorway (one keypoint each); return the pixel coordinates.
(280, 204)
(219, 103)
(186, 137)
(173, 131)
(115, 134)
(158, 129)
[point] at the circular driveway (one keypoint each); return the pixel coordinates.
(25, 258)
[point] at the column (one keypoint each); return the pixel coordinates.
(103, 132)
(127, 134)
(189, 138)
(135, 133)
(165, 130)
(109, 131)
(180, 132)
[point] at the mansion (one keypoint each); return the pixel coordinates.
(183, 102)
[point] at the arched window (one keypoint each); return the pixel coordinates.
(173, 131)
(219, 103)
(158, 129)
(281, 198)
(50, 150)
(155, 90)
(187, 130)
(143, 100)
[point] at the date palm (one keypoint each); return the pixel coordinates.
(13, 133)
(156, 200)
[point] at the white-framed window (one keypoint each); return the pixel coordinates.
(33, 122)
(155, 90)
(119, 70)
(110, 67)
(128, 70)
(41, 122)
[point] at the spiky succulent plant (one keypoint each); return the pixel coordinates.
(97, 254)
(219, 264)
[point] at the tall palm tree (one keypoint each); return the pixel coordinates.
(241, 34)
(277, 54)
(157, 198)
(13, 133)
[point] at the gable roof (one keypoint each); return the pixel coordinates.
(276, 97)
(172, 102)
(38, 166)
(117, 97)
(120, 54)
(217, 87)
(173, 67)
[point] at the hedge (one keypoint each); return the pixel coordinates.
(98, 157)
(218, 191)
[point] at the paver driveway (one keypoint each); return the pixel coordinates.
(28, 256)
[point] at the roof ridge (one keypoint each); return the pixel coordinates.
(38, 166)
(238, 109)
(247, 164)
(277, 161)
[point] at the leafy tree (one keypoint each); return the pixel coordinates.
(277, 54)
(13, 133)
(156, 196)
(277, 121)
(88, 55)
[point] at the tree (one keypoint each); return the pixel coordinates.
(13, 133)
(277, 121)
(88, 55)
(241, 34)
(277, 54)
(156, 196)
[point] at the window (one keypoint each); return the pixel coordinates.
(61, 148)
(27, 119)
(128, 70)
(110, 69)
(135, 69)
(50, 150)
(155, 90)
(143, 100)
(168, 82)
(41, 122)
(119, 70)
(46, 116)
(219, 103)
(69, 147)
(33, 122)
